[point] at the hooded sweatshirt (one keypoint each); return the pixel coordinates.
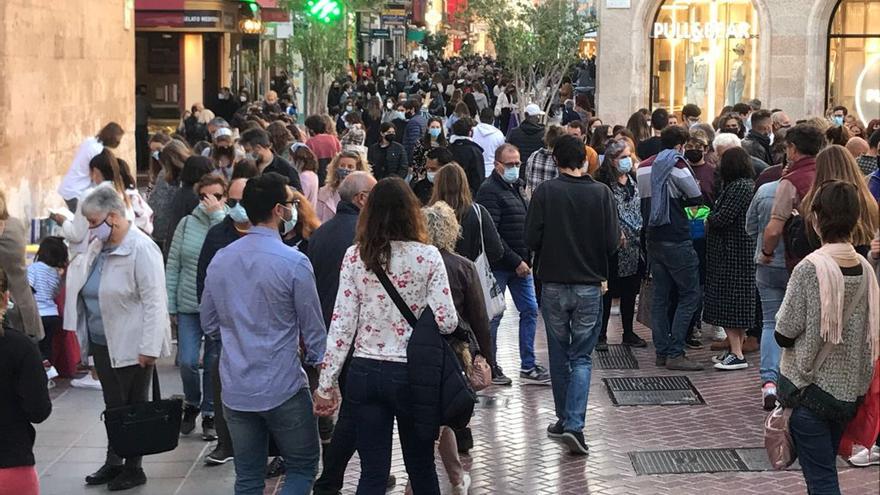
(528, 138)
(489, 138)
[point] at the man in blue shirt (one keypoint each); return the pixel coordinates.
(260, 298)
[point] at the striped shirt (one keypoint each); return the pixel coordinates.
(46, 283)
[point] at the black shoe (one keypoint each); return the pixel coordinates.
(220, 455)
(602, 345)
(499, 378)
(660, 361)
(275, 468)
(128, 478)
(633, 340)
(555, 430)
(104, 475)
(392, 480)
(575, 442)
(693, 343)
(208, 432)
(188, 424)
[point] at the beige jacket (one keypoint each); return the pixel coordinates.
(132, 298)
(25, 316)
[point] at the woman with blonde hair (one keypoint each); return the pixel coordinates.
(343, 164)
(836, 163)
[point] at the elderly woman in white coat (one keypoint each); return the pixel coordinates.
(121, 316)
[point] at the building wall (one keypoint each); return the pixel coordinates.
(66, 69)
(792, 46)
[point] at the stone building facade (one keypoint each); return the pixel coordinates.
(799, 55)
(66, 69)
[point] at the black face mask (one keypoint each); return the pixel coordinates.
(693, 156)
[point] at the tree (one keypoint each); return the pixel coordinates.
(536, 44)
(323, 46)
(435, 43)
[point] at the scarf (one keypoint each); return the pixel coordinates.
(827, 261)
(661, 169)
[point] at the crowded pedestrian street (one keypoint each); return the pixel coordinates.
(512, 454)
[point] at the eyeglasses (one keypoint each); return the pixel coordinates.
(232, 203)
(216, 195)
(294, 202)
(511, 164)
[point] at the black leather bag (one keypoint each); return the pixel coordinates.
(799, 240)
(145, 428)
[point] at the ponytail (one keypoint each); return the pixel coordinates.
(109, 166)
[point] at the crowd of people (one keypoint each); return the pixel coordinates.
(295, 264)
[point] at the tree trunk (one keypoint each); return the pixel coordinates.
(316, 102)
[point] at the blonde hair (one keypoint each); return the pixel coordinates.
(836, 163)
(361, 166)
(442, 226)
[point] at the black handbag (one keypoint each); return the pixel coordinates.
(145, 428)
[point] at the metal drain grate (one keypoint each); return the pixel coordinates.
(687, 461)
(618, 357)
(492, 401)
(653, 391)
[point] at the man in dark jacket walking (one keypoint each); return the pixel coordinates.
(415, 127)
(529, 136)
(467, 153)
(327, 247)
(387, 156)
(501, 194)
(578, 248)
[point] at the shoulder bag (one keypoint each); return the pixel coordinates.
(777, 436)
(491, 292)
(145, 428)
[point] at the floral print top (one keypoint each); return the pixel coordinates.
(626, 197)
(366, 316)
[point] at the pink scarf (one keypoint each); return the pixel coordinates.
(827, 261)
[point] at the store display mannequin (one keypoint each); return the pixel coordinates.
(697, 78)
(737, 81)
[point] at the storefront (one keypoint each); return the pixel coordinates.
(797, 55)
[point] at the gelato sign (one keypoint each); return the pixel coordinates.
(868, 91)
(697, 31)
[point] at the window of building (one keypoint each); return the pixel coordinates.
(704, 52)
(854, 57)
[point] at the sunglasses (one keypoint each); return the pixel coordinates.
(216, 195)
(232, 203)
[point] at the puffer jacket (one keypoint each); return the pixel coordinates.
(507, 206)
(528, 138)
(183, 259)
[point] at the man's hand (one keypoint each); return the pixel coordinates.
(764, 259)
(58, 218)
(523, 270)
(325, 407)
(144, 361)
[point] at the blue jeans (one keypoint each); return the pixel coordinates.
(573, 320)
(295, 430)
(771, 283)
(378, 392)
(189, 342)
(522, 289)
(675, 267)
(816, 442)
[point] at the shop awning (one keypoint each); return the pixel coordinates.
(159, 4)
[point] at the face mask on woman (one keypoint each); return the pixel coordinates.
(694, 156)
(342, 173)
(389, 105)
(101, 232)
(625, 165)
(434, 132)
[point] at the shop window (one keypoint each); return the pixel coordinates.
(854, 57)
(704, 52)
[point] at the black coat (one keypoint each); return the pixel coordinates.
(507, 206)
(218, 237)
(469, 155)
(281, 166)
(394, 164)
(327, 248)
(528, 138)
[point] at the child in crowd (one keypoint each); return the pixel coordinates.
(44, 277)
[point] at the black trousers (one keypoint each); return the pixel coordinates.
(121, 387)
(626, 288)
(224, 439)
(51, 326)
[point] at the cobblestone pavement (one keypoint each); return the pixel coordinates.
(512, 454)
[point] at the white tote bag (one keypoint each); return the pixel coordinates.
(491, 292)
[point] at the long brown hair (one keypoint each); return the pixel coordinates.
(451, 187)
(172, 157)
(392, 213)
(836, 163)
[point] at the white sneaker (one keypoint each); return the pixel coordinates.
(463, 487)
(719, 334)
(50, 384)
(866, 457)
(51, 372)
(86, 382)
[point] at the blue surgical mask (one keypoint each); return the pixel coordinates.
(625, 165)
(838, 120)
(431, 176)
(288, 225)
(155, 155)
(434, 132)
(511, 175)
(238, 214)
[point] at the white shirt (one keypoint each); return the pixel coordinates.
(77, 178)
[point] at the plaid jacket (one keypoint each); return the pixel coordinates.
(540, 167)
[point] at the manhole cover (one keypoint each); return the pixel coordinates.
(687, 461)
(618, 357)
(653, 391)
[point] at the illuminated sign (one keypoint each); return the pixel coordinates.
(697, 31)
(868, 91)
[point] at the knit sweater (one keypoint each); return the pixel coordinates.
(183, 259)
(846, 372)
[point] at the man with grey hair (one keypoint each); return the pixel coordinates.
(327, 247)
(725, 141)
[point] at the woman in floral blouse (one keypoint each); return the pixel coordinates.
(618, 173)
(390, 236)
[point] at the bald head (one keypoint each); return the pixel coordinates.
(780, 121)
(236, 188)
(857, 146)
(354, 185)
